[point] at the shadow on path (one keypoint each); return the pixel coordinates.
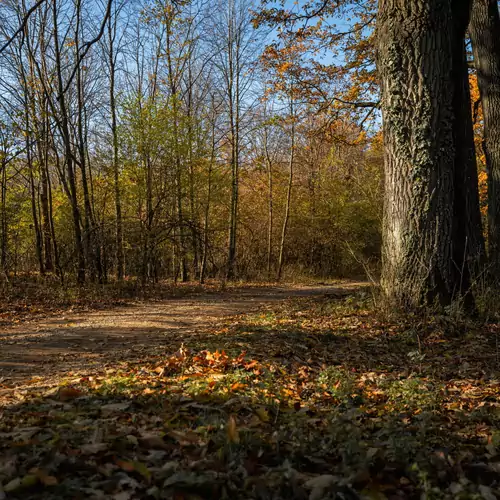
(86, 342)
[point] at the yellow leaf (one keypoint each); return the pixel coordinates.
(263, 414)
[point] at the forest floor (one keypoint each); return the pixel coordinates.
(292, 392)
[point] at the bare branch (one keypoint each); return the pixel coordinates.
(22, 26)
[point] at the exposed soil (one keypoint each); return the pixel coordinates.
(74, 343)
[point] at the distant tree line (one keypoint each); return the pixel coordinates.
(162, 140)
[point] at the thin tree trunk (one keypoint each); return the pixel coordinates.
(203, 269)
(286, 218)
(91, 233)
(192, 197)
(33, 190)
(269, 204)
(120, 260)
(50, 245)
(178, 165)
(468, 242)
(34, 208)
(68, 153)
(484, 31)
(5, 227)
(234, 121)
(44, 200)
(59, 268)
(40, 126)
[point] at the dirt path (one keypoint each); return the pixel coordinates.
(78, 343)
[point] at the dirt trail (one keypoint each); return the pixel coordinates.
(87, 342)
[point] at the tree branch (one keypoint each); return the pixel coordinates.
(86, 46)
(22, 26)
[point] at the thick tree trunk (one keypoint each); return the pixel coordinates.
(415, 68)
(484, 31)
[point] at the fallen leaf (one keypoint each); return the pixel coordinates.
(114, 408)
(237, 386)
(190, 479)
(92, 449)
(43, 477)
(152, 442)
(320, 485)
(68, 393)
(185, 438)
(135, 466)
(123, 495)
(263, 414)
(232, 430)
(487, 493)
(372, 494)
(20, 483)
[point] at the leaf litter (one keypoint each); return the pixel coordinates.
(309, 398)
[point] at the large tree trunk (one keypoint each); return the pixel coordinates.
(415, 69)
(484, 31)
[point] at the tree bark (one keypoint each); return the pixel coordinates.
(286, 218)
(68, 153)
(233, 94)
(415, 70)
(484, 32)
(468, 242)
(120, 260)
(269, 203)
(91, 231)
(206, 220)
(5, 224)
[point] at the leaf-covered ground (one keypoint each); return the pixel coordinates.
(313, 397)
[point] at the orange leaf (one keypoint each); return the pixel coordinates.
(126, 466)
(237, 386)
(68, 393)
(43, 477)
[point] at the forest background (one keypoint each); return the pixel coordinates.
(187, 140)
